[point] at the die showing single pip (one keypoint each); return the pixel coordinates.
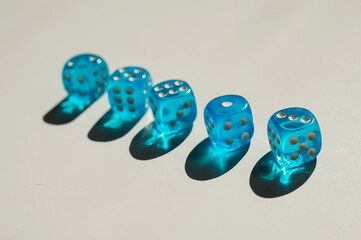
(85, 77)
(294, 136)
(128, 91)
(174, 106)
(229, 122)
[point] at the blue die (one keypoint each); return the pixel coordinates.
(128, 91)
(229, 122)
(85, 77)
(294, 136)
(174, 106)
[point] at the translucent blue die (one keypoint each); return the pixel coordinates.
(174, 106)
(229, 122)
(294, 136)
(85, 77)
(128, 91)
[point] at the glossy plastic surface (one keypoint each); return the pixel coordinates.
(84, 78)
(128, 91)
(229, 122)
(174, 106)
(294, 136)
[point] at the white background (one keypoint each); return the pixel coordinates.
(56, 184)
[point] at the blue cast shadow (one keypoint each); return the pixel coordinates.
(269, 180)
(66, 111)
(111, 126)
(206, 162)
(149, 143)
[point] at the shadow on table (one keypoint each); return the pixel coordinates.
(205, 162)
(149, 143)
(112, 126)
(66, 111)
(268, 180)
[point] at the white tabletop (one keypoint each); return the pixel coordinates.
(57, 184)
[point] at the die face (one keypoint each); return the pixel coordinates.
(229, 122)
(173, 105)
(128, 91)
(84, 77)
(294, 136)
